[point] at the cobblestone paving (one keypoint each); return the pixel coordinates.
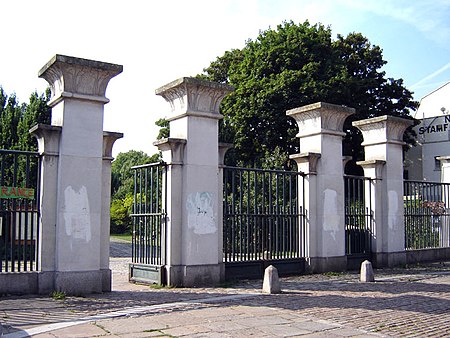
(412, 302)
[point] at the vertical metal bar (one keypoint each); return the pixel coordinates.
(35, 224)
(28, 236)
(225, 216)
(14, 248)
(133, 230)
(234, 218)
(255, 217)
(248, 226)
(3, 219)
(292, 237)
(164, 225)
(240, 215)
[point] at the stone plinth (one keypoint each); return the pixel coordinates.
(193, 236)
(320, 133)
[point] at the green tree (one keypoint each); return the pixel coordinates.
(36, 111)
(295, 65)
(10, 115)
(122, 181)
(165, 128)
(16, 119)
(120, 214)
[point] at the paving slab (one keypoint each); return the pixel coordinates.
(400, 303)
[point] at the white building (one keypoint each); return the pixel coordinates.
(433, 136)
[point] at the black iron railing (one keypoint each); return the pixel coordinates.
(264, 218)
(358, 215)
(149, 214)
(19, 210)
(427, 215)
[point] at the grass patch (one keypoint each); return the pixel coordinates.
(123, 237)
(58, 295)
(160, 286)
(333, 273)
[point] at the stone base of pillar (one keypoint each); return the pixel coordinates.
(389, 259)
(46, 280)
(79, 282)
(326, 264)
(106, 280)
(195, 275)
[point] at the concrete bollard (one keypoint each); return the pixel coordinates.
(271, 282)
(367, 272)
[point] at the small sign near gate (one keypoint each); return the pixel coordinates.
(15, 192)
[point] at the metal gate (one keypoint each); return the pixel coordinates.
(427, 215)
(19, 210)
(264, 222)
(358, 220)
(149, 224)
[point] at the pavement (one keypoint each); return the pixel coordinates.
(406, 302)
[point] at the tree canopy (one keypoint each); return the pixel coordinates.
(16, 119)
(292, 66)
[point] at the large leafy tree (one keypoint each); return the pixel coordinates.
(16, 119)
(295, 65)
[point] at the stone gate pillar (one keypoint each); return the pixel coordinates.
(78, 99)
(383, 148)
(193, 231)
(48, 145)
(109, 138)
(320, 158)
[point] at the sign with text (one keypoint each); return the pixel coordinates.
(16, 192)
(434, 129)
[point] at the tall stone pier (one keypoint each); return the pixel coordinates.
(383, 149)
(194, 227)
(320, 158)
(75, 195)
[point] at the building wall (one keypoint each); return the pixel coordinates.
(433, 136)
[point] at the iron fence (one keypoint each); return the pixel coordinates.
(19, 210)
(358, 215)
(427, 216)
(149, 214)
(263, 217)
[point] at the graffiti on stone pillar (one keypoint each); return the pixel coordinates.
(200, 208)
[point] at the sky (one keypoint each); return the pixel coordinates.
(160, 41)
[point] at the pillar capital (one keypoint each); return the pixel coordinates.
(372, 168)
(310, 159)
(47, 137)
(108, 141)
(71, 77)
(176, 148)
(383, 129)
(223, 148)
(320, 118)
(192, 96)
